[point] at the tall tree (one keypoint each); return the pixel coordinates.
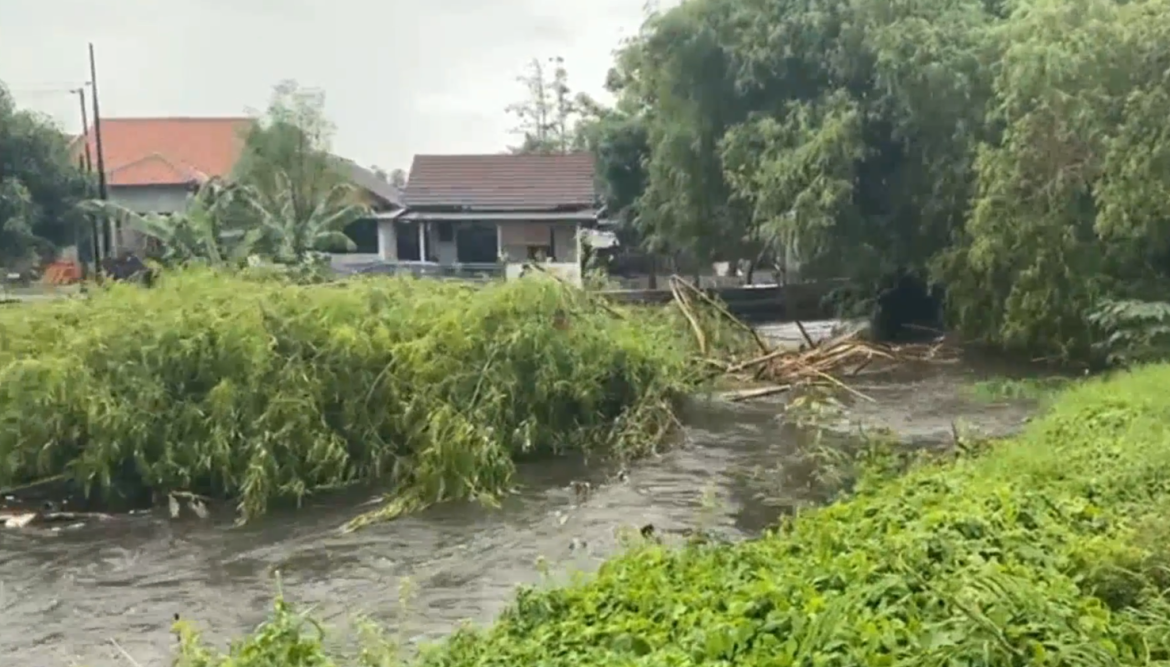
(398, 178)
(549, 113)
(298, 193)
(39, 186)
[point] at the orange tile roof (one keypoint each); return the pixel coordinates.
(167, 151)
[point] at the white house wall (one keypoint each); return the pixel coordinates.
(516, 237)
(387, 240)
(164, 199)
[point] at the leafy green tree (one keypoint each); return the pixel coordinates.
(296, 191)
(1071, 212)
(290, 235)
(1015, 151)
(39, 186)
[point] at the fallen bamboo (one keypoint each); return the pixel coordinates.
(722, 310)
(685, 306)
(818, 363)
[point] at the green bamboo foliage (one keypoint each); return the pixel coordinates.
(261, 391)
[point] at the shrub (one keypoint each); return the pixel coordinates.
(1048, 550)
(262, 391)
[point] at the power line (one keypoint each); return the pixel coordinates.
(59, 83)
(41, 91)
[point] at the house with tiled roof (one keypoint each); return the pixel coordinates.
(153, 164)
(497, 209)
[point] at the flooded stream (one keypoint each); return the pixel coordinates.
(65, 595)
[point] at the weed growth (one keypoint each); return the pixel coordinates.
(1047, 549)
(260, 391)
(998, 390)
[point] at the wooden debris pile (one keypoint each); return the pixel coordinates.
(823, 363)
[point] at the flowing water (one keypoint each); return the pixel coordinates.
(65, 595)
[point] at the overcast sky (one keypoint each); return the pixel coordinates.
(400, 76)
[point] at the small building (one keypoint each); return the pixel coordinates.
(500, 210)
(153, 164)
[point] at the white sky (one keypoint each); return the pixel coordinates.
(400, 76)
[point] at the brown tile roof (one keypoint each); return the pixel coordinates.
(167, 151)
(501, 182)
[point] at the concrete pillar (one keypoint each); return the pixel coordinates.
(422, 241)
(388, 240)
(577, 231)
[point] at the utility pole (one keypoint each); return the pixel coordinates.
(103, 192)
(88, 164)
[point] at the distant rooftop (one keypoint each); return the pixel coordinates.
(502, 181)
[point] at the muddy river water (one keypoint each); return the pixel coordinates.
(64, 595)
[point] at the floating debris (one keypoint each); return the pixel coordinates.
(815, 363)
(22, 520)
(28, 518)
(581, 490)
(197, 504)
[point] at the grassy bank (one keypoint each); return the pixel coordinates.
(262, 392)
(1048, 549)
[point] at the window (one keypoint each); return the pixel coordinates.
(539, 253)
(364, 234)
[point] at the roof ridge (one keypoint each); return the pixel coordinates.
(177, 118)
(178, 167)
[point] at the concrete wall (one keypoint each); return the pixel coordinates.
(517, 237)
(151, 198)
(387, 240)
(569, 272)
(144, 199)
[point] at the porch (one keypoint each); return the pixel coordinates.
(486, 242)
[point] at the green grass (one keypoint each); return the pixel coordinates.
(999, 390)
(1050, 548)
(261, 392)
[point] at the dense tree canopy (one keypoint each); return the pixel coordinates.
(39, 186)
(1015, 151)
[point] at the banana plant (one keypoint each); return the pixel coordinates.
(202, 232)
(297, 225)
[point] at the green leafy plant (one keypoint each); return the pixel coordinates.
(1045, 549)
(201, 233)
(1137, 330)
(262, 391)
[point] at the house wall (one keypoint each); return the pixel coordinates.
(144, 199)
(517, 237)
(513, 239)
(151, 198)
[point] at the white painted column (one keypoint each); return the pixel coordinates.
(499, 242)
(387, 240)
(422, 241)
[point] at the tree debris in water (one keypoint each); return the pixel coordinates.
(816, 363)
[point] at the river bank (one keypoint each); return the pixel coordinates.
(67, 593)
(1046, 548)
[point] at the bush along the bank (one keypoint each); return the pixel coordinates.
(260, 391)
(1047, 549)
